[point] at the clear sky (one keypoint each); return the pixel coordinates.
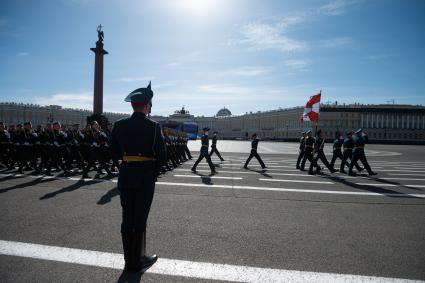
(246, 55)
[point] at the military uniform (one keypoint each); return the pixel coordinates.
(308, 151)
(336, 150)
(301, 151)
(348, 153)
(5, 146)
(254, 153)
(204, 152)
(58, 140)
(140, 143)
(46, 146)
(358, 153)
(214, 147)
(318, 153)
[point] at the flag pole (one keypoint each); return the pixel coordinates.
(317, 122)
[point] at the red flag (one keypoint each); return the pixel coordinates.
(312, 108)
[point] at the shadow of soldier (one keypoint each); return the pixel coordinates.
(374, 189)
(108, 196)
(262, 172)
(205, 179)
(27, 184)
(69, 188)
(126, 277)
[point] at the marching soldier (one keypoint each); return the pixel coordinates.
(359, 141)
(301, 150)
(348, 153)
(318, 153)
(5, 145)
(204, 152)
(99, 150)
(185, 148)
(214, 147)
(115, 164)
(336, 149)
(58, 141)
(254, 153)
(139, 141)
(308, 151)
(76, 138)
(46, 145)
(16, 149)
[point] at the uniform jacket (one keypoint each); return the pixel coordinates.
(134, 136)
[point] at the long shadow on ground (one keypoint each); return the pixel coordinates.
(27, 184)
(70, 188)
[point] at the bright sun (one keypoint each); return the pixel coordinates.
(199, 7)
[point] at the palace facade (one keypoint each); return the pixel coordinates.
(386, 123)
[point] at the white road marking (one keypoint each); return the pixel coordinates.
(390, 185)
(289, 190)
(295, 181)
(208, 177)
(184, 268)
(410, 168)
(400, 170)
(404, 174)
(407, 179)
(248, 172)
(252, 187)
(235, 167)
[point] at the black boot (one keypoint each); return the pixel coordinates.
(143, 262)
(127, 242)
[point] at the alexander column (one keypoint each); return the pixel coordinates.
(98, 81)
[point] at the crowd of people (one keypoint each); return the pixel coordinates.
(73, 150)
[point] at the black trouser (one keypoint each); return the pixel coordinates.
(75, 154)
(215, 150)
(308, 155)
(300, 157)
(204, 154)
(5, 153)
(320, 155)
(186, 149)
(358, 154)
(27, 152)
(348, 154)
(58, 153)
(336, 154)
(255, 154)
(136, 204)
(46, 155)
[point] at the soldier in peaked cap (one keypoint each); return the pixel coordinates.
(254, 153)
(140, 143)
(359, 142)
(348, 153)
(214, 146)
(204, 152)
(302, 150)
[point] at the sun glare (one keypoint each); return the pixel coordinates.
(199, 7)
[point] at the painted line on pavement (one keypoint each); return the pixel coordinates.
(248, 187)
(209, 177)
(390, 185)
(247, 172)
(295, 181)
(400, 170)
(184, 268)
(405, 174)
(407, 179)
(290, 190)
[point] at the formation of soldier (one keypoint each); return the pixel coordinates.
(73, 149)
(349, 148)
